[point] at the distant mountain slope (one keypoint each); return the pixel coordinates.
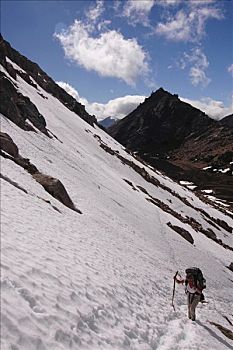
(180, 140)
(107, 122)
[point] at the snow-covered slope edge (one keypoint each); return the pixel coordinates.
(103, 279)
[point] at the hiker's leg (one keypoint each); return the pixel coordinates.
(189, 311)
(195, 301)
(189, 305)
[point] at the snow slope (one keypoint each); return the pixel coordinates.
(103, 279)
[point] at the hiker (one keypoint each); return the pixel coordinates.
(194, 285)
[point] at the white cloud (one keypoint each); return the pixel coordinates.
(117, 5)
(189, 23)
(95, 11)
(166, 3)
(214, 109)
(198, 63)
(93, 17)
(195, 3)
(198, 76)
(117, 108)
(138, 11)
(190, 3)
(103, 25)
(176, 28)
(197, 72)
(68, 88)
(230, 69)
(72, 91)
(110, 54)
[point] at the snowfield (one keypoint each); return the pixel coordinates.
(103, 279)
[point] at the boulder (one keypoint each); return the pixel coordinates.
(55, 188)
(7, 145)
(182, 232)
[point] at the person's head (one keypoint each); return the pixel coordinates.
(190, 278)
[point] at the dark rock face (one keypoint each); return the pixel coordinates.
(41, 78)
(161, 123)
(19, 108)
(180, 140)
(8, 145)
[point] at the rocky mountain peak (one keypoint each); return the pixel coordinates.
(157, 97)
(161, 123)
(160, 93)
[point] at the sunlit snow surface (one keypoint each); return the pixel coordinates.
(101, 280)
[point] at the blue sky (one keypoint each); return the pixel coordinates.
(111, 54)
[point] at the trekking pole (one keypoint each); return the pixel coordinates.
(174, 286)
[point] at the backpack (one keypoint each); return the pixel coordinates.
(197, 275)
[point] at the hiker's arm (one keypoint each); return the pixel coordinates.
(199, 290)
(179, 281)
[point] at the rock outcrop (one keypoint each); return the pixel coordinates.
(18, 108)
(8, 145)
(182, 232)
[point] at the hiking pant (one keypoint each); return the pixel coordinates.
(193, 300)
